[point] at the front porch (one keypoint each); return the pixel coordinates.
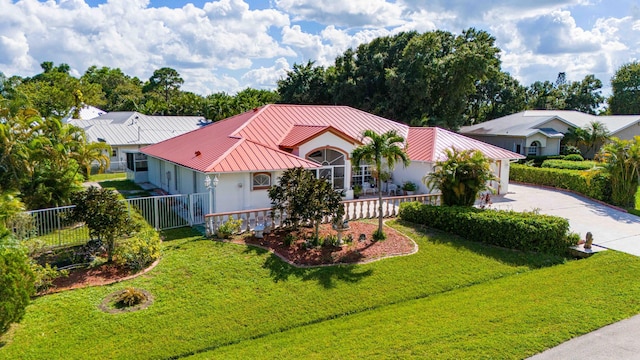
(363, 208)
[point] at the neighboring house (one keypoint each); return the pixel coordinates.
(539, 132)
(86, 112)
(247, 153)
(128, 131)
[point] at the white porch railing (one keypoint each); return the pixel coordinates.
(354, 210)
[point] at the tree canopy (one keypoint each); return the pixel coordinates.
(625, 84)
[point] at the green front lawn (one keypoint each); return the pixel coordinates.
(452, 299)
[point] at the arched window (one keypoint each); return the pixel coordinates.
(332, 169)
(533, 148)
(261, 181)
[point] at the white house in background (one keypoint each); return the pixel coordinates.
(539, 132)
(86, 112)
(128, 131)
(248, 152)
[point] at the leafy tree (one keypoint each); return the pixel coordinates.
(305, 199)
(499, 95)
(16, 276)
(165, 82)
(584, 96)
(622, 161)
(461, 176)
(305, 84)
(121, 92)
(625, 84)
(53, 92)
(104, 214)
(389, 148)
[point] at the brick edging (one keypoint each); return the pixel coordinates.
(114, 281)
(299, 266)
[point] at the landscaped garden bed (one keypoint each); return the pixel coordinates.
(358, 246)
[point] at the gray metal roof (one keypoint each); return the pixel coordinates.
(526, 123)
(133, 128)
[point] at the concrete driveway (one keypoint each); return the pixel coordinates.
(611, 228)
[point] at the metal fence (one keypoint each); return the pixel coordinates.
(161, 212)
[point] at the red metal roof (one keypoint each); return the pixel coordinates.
(428, 144)
(250, 141)
(303, 133)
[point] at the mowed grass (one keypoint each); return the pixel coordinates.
(452, 299)
(108, 176)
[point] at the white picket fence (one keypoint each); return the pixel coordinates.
(354, 210)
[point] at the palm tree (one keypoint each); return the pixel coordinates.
(461, 176)
(622, 161)
(388, 147)
(597, 133)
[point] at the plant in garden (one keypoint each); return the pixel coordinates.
(104, 214)
(230, 227)
(130, 297)
(461, 176)
(388, 147)
(305, 199)
(621, 159)
(139, 250)
(16, 276)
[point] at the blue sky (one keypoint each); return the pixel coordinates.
(228, 45)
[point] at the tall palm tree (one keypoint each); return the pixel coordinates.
(388, 147)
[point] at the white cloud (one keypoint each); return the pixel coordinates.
(265, 77)
(345, 13)
(227, 45)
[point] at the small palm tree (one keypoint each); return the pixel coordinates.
(388, 147)
(461, 176)
(622, 162)
(596, 133)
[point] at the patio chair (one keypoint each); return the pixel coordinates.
(366, 187)
(392, 188)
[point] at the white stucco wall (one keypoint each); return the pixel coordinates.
(414, 173)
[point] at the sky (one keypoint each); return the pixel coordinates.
(229, 45)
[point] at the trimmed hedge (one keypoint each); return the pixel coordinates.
(593, 183)
(538, 160)
(569, 164)
(526, 231)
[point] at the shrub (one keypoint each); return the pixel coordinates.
(229, 228)
(130, 297)
(593, 183)
(289, 239)
(16, 281)
(138, 251)
(44, 275)
(538, 160)
(409, 186)
(569, 164)
(379, 235)
(573, 157)
(514, 230)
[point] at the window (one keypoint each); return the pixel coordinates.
(332, 169)
(114, 153)
(533, 148)
(261, 181)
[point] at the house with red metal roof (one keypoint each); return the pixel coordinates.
(246, 153)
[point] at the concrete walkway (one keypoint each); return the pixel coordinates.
(611, 228)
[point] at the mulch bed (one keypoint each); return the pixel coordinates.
(356, 252)
(297, 254)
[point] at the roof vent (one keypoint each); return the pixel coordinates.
(198, 153)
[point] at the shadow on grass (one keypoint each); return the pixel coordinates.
(327, 276)
(531, 260)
